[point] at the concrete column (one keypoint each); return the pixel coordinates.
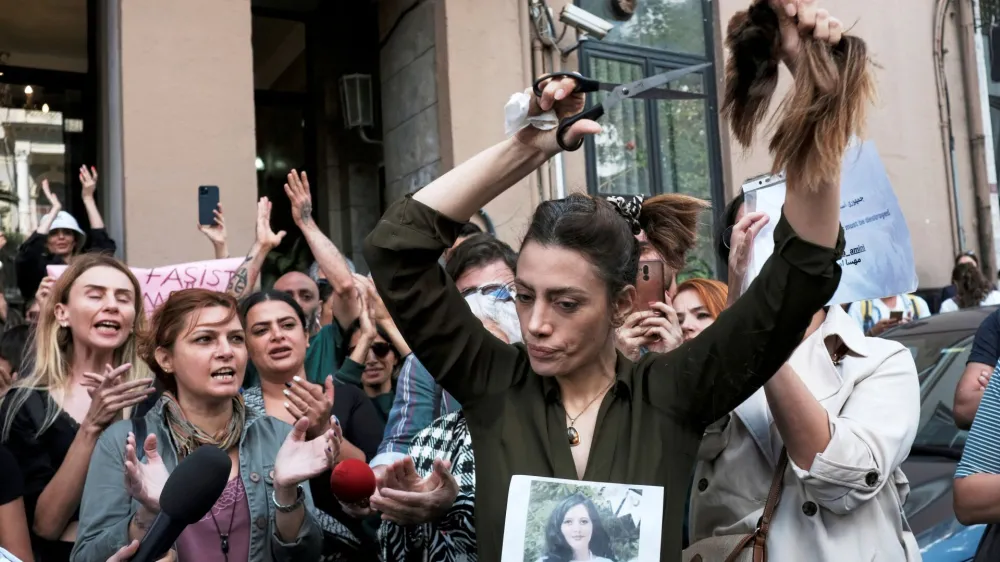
(21, 172)
(187, 120)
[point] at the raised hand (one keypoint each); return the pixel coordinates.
(144, 480)
(266, 238)
(44, 290)
(740, 245)
(53, 200)
(804, 18)
(216, 233)
(376, 306)
(299, 460)
(311, 401)
(110, 396)
(298, 193)
(557, 95)
(406, 499)
(88, 178)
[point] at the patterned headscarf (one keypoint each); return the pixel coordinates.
(188, 437)
(629, 208)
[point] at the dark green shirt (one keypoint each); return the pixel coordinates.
(648, 429)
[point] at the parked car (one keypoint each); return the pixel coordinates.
(940, 346)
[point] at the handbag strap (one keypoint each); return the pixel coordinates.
(773, 497)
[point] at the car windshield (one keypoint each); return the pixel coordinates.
(940, 359)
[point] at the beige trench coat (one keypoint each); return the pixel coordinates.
(848, 506)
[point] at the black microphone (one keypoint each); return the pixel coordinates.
(190, 491)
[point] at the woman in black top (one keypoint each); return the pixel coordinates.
(51, 419)
(564, 404)
(59, 236)
(276, 343)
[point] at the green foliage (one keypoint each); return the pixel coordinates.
(545, 496)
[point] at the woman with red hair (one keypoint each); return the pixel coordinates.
(698, 303)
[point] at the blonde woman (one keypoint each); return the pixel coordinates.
(52, 417)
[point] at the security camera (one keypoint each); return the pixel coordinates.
(585, 21)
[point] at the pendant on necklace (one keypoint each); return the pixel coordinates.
(573, 435)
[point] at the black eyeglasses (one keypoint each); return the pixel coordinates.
(380, 349)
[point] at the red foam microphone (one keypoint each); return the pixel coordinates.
(352, 481)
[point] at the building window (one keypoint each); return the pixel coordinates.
(650, 147)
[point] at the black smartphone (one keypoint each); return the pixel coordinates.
(208, 202)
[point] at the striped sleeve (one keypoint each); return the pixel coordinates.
(982, 448)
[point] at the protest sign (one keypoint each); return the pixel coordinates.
(878, 258)
(157, 283)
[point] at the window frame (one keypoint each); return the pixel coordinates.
(654, 60)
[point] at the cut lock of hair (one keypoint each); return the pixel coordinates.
(827, 105)
(593, 227)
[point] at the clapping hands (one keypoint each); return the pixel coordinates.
(145, 481)
(109, 396)
(404, 498)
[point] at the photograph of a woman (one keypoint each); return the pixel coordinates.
(574, 532)
(556, 520)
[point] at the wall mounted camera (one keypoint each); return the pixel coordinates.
(585, 22)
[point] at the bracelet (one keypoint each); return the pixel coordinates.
(299, 500)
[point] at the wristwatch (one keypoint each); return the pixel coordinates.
(300, 497)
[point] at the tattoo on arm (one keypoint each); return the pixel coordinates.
(238, 284)
(306, 210)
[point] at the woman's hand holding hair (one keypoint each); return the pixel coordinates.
(803, 18)
(405, 498)
(109, 396)
(145, 480)
(313, 402)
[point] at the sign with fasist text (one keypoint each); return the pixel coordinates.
(878, 258)
(157, 283)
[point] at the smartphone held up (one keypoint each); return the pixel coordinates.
(651, 284)
(208, 202)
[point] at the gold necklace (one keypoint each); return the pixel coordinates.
(571, 433)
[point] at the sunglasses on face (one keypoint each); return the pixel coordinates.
(380, 349)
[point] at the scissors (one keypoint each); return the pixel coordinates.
(647, 88)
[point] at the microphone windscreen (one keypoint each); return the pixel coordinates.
(196, 484)
(352, 481)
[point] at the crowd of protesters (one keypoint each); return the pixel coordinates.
(459, 363)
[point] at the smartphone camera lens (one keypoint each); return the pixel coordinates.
(645, 273)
